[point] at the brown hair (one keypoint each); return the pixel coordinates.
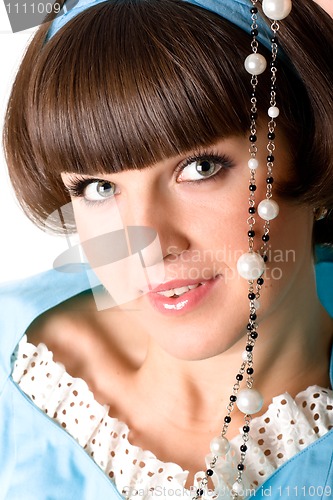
(127, 83)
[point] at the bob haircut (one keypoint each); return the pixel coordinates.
(128, 83)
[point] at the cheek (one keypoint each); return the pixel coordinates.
(291, 234)
(97, 234)
(290, 255)
(107, 247)
(224, 229)
(101, 231)
(224, 232)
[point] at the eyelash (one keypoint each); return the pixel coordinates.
(78, 184)
(210, 156)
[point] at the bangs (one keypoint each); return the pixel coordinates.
(126, 84)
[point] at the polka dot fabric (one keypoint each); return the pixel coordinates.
(288, 426)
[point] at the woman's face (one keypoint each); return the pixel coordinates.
(198, 205)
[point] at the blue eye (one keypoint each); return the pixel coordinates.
(202, 167)
(99, 190)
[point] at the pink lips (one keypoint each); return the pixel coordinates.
(185, 302)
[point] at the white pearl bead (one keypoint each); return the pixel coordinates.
(238, 488)
(268, 209)
(253, 163)
(219, 446)
(256, 304)
(273, 111)
(276, 9)
(245, 356)
(249, 401)
(250, 266)
(255, 64)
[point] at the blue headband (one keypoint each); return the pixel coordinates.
(235, 11)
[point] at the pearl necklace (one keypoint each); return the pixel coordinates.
(251, 265)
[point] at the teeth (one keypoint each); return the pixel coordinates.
(178, 291)
(167, 293)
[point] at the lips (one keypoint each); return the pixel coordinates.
(180, 296)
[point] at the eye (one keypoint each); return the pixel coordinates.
(99, 190)
(200, 169)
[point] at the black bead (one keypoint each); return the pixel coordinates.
(250, 371)
(240, 467)
(243, 448)
(254, 335)
(246, 429)
(253, 316)
(254, 116)
(251, 296)
(253, 138)
(249, 348)
(265, 258)
(254, 32)
(252, 187)
(200, 492)
(274, 39)
(251, 233)
(271, 136)
(252, 210)
(272, 65)
(249, 326)
(209, 472)
(270, 158)
(233, 398)
(239, 377)
(269, 180)
(260, 281)
(273, 87)
(265, 237)
(227, 419)
(254, 10)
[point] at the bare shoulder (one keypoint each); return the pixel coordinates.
(93, 345)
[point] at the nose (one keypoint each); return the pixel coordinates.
(160, 210)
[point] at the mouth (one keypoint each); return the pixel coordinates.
(180, 296)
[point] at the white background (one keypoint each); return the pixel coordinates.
(24, 249)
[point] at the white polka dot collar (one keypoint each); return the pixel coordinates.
(288, 426)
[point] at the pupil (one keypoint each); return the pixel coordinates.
(205, 167)
(105, 188)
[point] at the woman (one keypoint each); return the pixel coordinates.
(136, 115)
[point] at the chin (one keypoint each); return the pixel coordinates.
(195, 345)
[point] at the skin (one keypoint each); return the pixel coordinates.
(177, 372)
(326, 5)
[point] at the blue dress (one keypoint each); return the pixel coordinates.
(40, 461)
